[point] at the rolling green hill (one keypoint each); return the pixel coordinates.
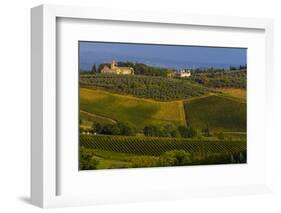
(136, 111)
(219, 113)
(150, 87)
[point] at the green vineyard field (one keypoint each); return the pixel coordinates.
(220, 113)
(156, 146)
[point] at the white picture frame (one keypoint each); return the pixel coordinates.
(45, 170)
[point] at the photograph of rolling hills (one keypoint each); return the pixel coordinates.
(148, 105)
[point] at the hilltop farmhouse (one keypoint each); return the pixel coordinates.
(114, 69)
(182, 73)
(179, 74)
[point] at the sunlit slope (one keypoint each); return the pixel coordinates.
(136, 111)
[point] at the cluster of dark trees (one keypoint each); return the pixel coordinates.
(94, 69)
(86, 159)
(183, 158)
(170, 130)
(157, 88)
(114, 129)
(221, 79)
(126, 129)
(143, 69)
(170, 158)
(242, 67)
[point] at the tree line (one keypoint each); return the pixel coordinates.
(144, 69)
(221, 79)
(152, 130)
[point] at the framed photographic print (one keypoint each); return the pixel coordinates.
(137, 106)
(161, 105)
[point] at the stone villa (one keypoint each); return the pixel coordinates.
(183, 73)
(114, 69)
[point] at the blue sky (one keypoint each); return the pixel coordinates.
(169, 56)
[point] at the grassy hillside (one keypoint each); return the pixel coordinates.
(136, 111)
(87, 119)
(235, 93)
(151, 87)
(217, 112)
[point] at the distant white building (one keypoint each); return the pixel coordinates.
(183, 73)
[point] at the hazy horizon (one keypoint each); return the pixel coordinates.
(166, 56)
